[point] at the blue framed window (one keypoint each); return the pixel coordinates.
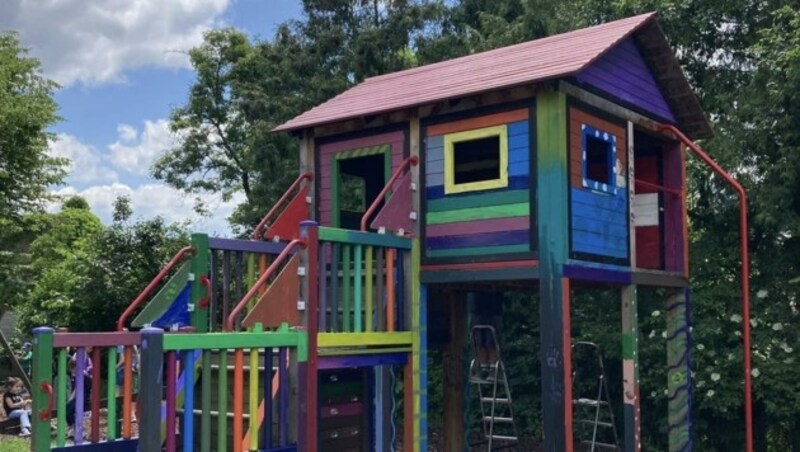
(598, 159)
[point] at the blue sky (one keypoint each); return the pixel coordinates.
(122, 67)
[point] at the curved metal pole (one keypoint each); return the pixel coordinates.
(748, 403)
(257, 231)
(143, 295)
(411, 161)
(261, 281)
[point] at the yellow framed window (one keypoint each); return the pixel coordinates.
(476, 160)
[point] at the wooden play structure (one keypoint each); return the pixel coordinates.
(547, 166)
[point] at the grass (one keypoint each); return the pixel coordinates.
(11, 444)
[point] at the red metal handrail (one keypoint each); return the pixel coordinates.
(262, 280)
(146, 292)
(745, 256)
(274, 210)
(411, 161)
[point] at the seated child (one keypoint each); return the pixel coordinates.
(17, 406)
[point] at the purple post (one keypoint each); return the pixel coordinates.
(172, 376)
(283, 417)
(268, 363)
(80, 367)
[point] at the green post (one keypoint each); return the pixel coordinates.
(199, 292)
(111, 433)
(553, 198)
(43, 391)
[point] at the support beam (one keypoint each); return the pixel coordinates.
(630, 369)
(453, 365)
(551, 152)
(679, 388)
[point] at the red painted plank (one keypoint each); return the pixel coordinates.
(287, 225)
(395, 214)
(478, 226)
(279, 303)
(346, 409)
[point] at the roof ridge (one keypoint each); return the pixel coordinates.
(642, 18)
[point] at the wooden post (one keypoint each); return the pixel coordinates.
(152, 365)
(553, 233)
(309, 231)
(679, 380)
(630, 369)
(200, 263)
(454, 376)
(43, 391)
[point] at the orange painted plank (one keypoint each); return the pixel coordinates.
(477, 123)
(238, 400)
(276, 383)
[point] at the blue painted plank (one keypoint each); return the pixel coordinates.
(519, 169)
(435, 167)
(597, 274)
(582, 223)
(435, 179)
(518, 128)
(599, 239)
(584, 244)
(127, 445)
(476, 240)
(602, 200)
(518, 142)
(514, 183)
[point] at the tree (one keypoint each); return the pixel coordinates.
(27, 109)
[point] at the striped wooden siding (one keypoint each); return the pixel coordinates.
(328, 153)
(479, 223)
(599, 221)
(578, 117)
(624, 74)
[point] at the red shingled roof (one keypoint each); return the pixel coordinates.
(547, 58)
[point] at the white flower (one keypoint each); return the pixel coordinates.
(653, 394)
(737, 333)
(787, 349)
(656, 313)
(664, 334)
(652, 334)
(701, 383)
(777, 326)
(701, 347)
(730, 356)
(736, 318)
(755, 372)
(715, 377)
(754, 322)
(710, 393)
(762, 293)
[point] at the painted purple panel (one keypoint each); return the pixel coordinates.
(344, 362)
(479, 226)
(476, 240)
(624, 74)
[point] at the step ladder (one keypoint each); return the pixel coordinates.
(494, 394)
(594, 411)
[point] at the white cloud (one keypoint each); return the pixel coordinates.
(151, 200)
(95, 41)
(135, 152)
(86, 163)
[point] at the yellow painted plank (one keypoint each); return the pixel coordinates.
(363, 339)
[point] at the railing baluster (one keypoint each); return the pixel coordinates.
(80, 368)
(187, 364)
(238, 399)
(253, 398)
(380, 292)
(61, 425)
(401, 294)
(127, 393)
(111, 395)
(205, 402)
(226, 283)
(213, 307)
(95, 395)
(323, 290)
(357, 293)
(172, 378)
(390, 289)
(283, 417)
(368, 289)
(267, 424)
(346, 288)
(239, 268)
(222, 401)
(335, 255)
